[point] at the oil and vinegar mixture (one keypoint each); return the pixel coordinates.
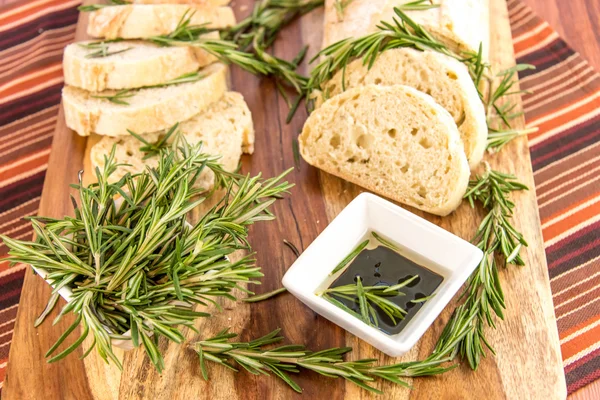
(383, 266)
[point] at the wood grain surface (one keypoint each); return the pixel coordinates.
(528, 364)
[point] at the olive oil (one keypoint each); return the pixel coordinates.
(383, 266)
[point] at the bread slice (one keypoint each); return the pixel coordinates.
(132, 64)
(393, 140)
(460, 24)
(222, 128)
(149, 110)
(139, 21)
(443, 78)
(198, 3)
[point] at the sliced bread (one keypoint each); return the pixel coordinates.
(443, 78)
(139, 21)
(224, 128)
(130, 64)
(460, 24)
(148, 110)
(393, 140)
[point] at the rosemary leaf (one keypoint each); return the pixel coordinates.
(350, 257)
(95, 7)
(264, 296)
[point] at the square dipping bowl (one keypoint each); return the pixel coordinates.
(418, 239)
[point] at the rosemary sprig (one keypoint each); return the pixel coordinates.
(283, 360)
(350, 256)
(368, 298)
(340, 7)
(138, 266)
(384, 241)
(502, 89)
(152, 150)
(95, 7)
(258, 62)
(497, 139)
(264, 296)
(418, 5)
(266, 20)
(101, 49)
(118, 97)
(497, 238)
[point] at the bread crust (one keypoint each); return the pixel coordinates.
(141, 64)
(149, 110)
(350, 138)
(139, 21)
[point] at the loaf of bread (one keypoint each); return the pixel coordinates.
(393, 140)
(139, 21)
(460, 24)
(149, 110)
(443, 78)
(130, 64)
(225, 128)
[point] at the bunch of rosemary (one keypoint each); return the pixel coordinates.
(138, 270)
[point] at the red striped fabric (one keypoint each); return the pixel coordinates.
(565, 155)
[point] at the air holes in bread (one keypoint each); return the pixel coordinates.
(451, 75)
(414, 131)
(364, 141)
(392, 132)
(422, 192)
(425, 143)
(334, 141)
(377, 81)
(129, 153)
(404, 168)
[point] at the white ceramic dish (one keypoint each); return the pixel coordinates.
(426, 243)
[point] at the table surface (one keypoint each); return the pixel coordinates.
(574, 22)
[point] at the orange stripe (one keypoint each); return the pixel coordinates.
(29, 165)
(532, 40)
(575, 328)
(577, 218)
(46, 73)
(566, 117)
(580, 342)
(26, 11)
(567, 209)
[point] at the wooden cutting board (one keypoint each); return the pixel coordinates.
(528, 362)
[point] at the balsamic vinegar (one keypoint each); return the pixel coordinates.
(383, 266)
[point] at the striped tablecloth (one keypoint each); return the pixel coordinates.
(565, 154)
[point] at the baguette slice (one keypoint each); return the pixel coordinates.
(460, 24)
(393, 140)
(443, 78)
(224, 128)
(197, 3)
(149, 110)
(138, 64)
(139, 21)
